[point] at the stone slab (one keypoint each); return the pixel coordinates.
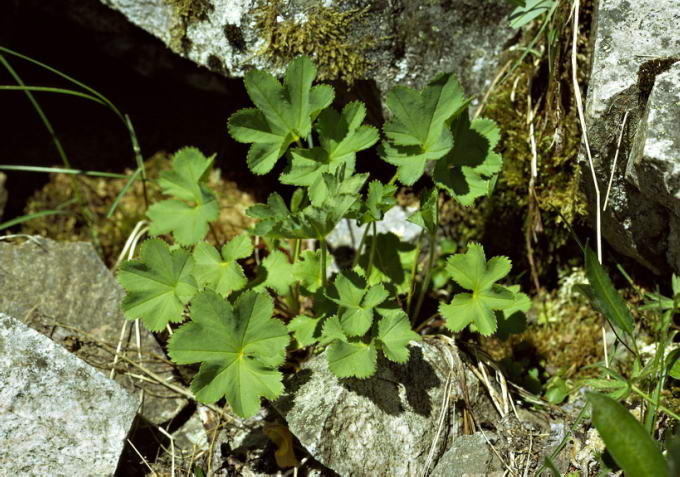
(45, 283)
(58, 415)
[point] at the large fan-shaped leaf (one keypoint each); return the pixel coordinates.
(240, 347)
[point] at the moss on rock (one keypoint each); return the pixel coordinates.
(324, 33)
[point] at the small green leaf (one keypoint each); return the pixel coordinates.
(269, 215)
(356, 302)
(188, 224)
(513, 320)
(418, 130)
(158, 285)
(332, 330)
(283, 114)
(194, 206)
(308, 270)
(472, 272)
(426, 216)
(394, 335)
(222, 273)
(240, 347)
(305, 329)
(379, 199)
(353, 359)
(626, 439)
(470, 169)
(190, 169)
(278, 273)
(604, 296)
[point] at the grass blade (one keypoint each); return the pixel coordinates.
(50, 89)
(26, 218)
(94, 92)
(61, 170)
(626, 439)
(122, 192)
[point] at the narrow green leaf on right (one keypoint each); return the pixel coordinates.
(604, 296)
(629, 444)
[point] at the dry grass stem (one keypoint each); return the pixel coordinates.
(616, 156)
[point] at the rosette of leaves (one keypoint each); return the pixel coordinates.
(341, 136)
(477, 306)
(283, 114)
(193, 206)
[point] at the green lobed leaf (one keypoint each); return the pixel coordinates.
(469, 170)
(222, 273)
(185, 181)
(308, 270)
(394, 335)
(269, 215)
(604, 296)
(626, 439)
(332, 330)
(427, 215)
(379, 199)
(194, 205)
(352, 359)
(158, 285)
(188, 224)
(418, 130)
(356, 302)
(278, 273)
(341, 136)
(283, 113)
(472, 272)
(305, 330)
(240, 346)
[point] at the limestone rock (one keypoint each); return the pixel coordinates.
(391, 42)
(391, 423)
(59, 415)
(43, 282)
(634, 73)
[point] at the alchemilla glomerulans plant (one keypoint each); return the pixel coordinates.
(232, 326)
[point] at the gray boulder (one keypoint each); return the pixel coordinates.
(395, 42)
(59, 415)
(409, 419)
(635, 73)
(65, 291)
